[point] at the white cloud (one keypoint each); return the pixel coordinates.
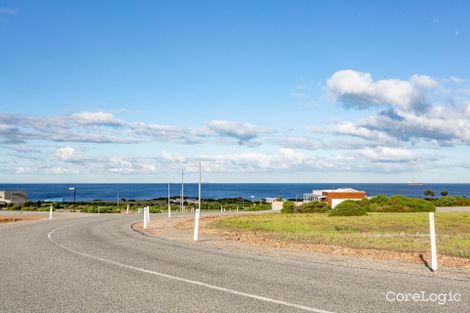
(23, 170)
(175, 157)
(359, 90)
(387, 154)
(66, 154)
(423, 81)
(129, 166)
(103, 127)
(244, 133)
(96, 118)
(457, 80)
(351, 129)
(57, 170)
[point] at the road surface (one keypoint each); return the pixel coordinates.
(100, 264)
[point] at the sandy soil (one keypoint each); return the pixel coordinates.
(15, 219)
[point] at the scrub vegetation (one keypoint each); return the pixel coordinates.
(156, 205)
(404, 232)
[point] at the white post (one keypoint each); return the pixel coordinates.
(145, 218)
(198, 210)
(127, 209)
(433, 242)
(169, 206)
(221, 209)
(50, 213)
(148, 214)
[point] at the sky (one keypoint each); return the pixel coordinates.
(257, 91)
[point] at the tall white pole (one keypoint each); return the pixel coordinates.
(182, 190)
(145, 218)
(169, 206)
(50, 213)
(148, 214)
(198, 210)
(127, 209)
(433, 241)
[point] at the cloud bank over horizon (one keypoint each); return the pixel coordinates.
(403, 126)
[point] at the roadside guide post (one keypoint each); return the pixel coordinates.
(169, 206)
(145, 218)
(50, 213)
(433, 242)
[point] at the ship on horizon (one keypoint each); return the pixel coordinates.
(410, 183)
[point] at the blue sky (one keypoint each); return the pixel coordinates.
(259, 91)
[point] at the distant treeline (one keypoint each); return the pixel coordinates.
(157, 205)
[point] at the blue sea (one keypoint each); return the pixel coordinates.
(88, 192)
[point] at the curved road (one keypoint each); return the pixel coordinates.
(99, 264)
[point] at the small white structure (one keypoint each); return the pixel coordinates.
(12, 197)
(276, 205)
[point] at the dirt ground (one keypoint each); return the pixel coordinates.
(15, 219)
(182, 229)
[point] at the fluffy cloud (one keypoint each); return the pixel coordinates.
(243, 133)
(359, 90)
(440, 126)
(407, 116)
(66, 154)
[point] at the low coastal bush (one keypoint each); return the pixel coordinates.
(156, 209)
(258, 207)
(452, 201)
(396, 203)
(99, 209)
(348, 208)
(313, 207)
(287, 207)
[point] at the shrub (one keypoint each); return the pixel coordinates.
(155, 209)
(429, 193)
(258, 207)
(212, 205)
(28, 203)
(100, 209)
(452, 201)
(348, 208)
(287, 207)
(313, 207)
(397, 203)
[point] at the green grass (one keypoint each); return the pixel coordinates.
(405, 232)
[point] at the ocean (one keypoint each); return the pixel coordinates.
(88, 192)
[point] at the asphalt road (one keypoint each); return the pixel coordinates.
(99, 264)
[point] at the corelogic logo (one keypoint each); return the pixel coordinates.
(423, 296)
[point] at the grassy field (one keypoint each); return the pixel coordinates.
(406, 232)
